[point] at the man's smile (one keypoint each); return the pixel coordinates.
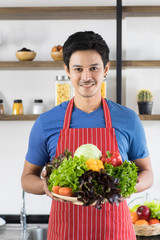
(87, 84)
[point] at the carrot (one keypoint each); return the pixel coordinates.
(65, 191)
(56, 189)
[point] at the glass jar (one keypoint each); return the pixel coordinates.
(38, 107)
(1, 107)
(17, 107)
(63, 89)
(103, 88)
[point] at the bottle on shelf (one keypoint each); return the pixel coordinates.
(38, 107)
(17, 107)
(1, 107)
(63, 89)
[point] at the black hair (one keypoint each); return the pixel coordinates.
(87, 40)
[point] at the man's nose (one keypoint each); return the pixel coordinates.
(86, 75)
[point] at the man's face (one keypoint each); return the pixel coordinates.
(86, 71)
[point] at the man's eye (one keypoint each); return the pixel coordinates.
(94, 68)
(78, 69)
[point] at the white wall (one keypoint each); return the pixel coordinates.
(19, 3)
(28, 85)
(140, 2)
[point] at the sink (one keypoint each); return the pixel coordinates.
(38, 234)
(14, 231)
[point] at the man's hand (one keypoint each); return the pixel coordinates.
(34, 180)
(45, 187)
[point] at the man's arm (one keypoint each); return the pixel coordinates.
(31, 180)
(145, 174)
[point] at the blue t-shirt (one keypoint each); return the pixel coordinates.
(45, 131)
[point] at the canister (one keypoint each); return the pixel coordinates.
(38, 107)
(62, 89)
(17, 107)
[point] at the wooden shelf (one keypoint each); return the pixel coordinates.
(36, 65)
(67, 13)
(18, 117)
(141, 11)
(38, 13)
(88, 12)
(31, 65)
(58, 65)
(141, 63)
(34, 117)
(150, 117)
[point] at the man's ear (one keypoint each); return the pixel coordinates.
(66, 70)
(106, 69)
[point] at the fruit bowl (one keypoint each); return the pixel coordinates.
(147, 230)
(145, 216)
(25, 55)
(57, 56)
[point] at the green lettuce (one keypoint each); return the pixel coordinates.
(68, 173)
(127, 175)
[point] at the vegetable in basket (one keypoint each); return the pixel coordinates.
(68, 173)
(90, 180)
(114, 158)
(89, 151)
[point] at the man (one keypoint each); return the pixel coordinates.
(87, 118)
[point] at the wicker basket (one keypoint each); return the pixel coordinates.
(147, 230)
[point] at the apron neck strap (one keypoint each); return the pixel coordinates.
(107, 115)
(68, 113)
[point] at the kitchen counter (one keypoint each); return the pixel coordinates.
(14, 231)
(149, 238)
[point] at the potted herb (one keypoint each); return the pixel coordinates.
(144, 100)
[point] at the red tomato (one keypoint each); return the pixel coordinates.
(153, 221)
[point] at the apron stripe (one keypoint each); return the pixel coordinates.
(64, 229)
(67, 118)
(95, 223)
(68, 220)
(107, 115)
(91, 225)
(77, 219)
(72, 222)
(82, 222)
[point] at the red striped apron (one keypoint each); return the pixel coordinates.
(72, 222)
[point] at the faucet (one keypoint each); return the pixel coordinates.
(23, 218)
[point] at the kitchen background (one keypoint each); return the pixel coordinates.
(141, 38)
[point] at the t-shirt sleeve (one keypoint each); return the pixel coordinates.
(138, 144)
(37, 148)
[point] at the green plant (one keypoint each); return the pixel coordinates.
(144, 96)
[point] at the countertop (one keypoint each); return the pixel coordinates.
(149, 238)
(14, 231)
